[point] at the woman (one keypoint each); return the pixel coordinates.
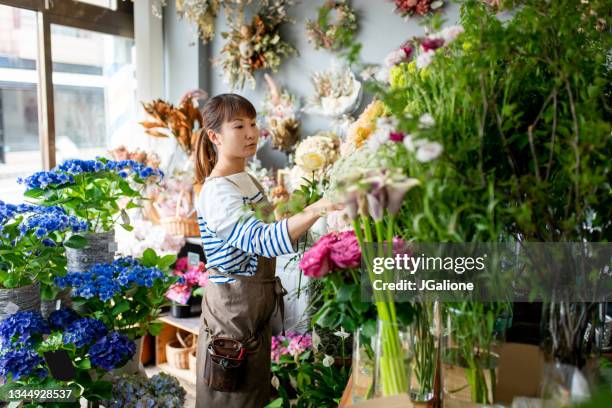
(242, 293)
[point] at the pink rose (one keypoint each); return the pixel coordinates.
(315, 262)
(345, 252)
(203, 279)
(432, 44)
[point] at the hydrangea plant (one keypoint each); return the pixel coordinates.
(135, 391)
(90, 189)
(32, 240)
(26, 336)
(127, 294)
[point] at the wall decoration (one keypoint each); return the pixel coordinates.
(337, 92)
(408, 8)
(203, 13)
(335, 29)
(257, 45)
(281, 110)
(180, 122)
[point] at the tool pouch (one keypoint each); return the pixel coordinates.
(225, 364)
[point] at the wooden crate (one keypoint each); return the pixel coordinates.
(168, 333)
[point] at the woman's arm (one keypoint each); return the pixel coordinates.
(299, 223)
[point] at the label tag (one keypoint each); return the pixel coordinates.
(11, 308)
(193, 259)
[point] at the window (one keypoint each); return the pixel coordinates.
(67, 83)
(19, 140)
(94, 91)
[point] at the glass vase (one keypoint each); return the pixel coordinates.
(363, 366)
(424, 333)
(393, 353)
(471, 338)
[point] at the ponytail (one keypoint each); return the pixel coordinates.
(206, 156)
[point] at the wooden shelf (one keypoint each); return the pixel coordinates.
(168, 333)
(190, 324)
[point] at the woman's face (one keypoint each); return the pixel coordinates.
(238, 138)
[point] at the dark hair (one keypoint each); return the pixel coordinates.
(216, 111)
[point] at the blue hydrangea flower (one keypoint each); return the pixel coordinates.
(125, 261)
(85, 331)
(21, 363)
(112, 351)
(64, 173)
(60, 319)
(20, 327)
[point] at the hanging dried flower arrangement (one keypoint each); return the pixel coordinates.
(281, 111)
(257, 45)
(203, 13)
(335, 28)
(408, 8)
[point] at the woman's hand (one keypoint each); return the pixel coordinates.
(324, 206)
(299, 223)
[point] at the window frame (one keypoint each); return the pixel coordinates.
(119, 22)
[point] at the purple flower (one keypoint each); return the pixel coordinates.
(21, 363)
(22, 328)
(112, 351)
(84, 331)
(60, 319)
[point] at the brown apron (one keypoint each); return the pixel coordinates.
(241, 310)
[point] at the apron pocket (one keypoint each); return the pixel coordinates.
(225, 364)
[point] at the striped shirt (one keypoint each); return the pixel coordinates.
(231, 235)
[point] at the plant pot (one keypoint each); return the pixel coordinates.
(19, 299)
(180, 311)
(48, 306)
(133, 366)
(100, 248)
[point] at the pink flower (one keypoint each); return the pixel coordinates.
(432, 44)
(345, 252)
(203, 279)
(396, 136)
(181, 264)
(315, 262)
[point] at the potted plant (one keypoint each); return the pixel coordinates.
(28, 342)
(92, 190)
(189, 288)
(134, 391)
(32, 243)
(127, 295)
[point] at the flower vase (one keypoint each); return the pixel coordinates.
(469, 357)
(424, 341)
(563, 385)
(19, 299)
(100, 248)
(363, 366)
(393, 359)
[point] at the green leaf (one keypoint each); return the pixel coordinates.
(84, 364)
(149, 257)
(121, 307)
(76, 242)
(156, 328)
(127, 227)
(34, 193)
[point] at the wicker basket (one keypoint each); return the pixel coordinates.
(178, 350)
(193, 360)
(177, 225)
